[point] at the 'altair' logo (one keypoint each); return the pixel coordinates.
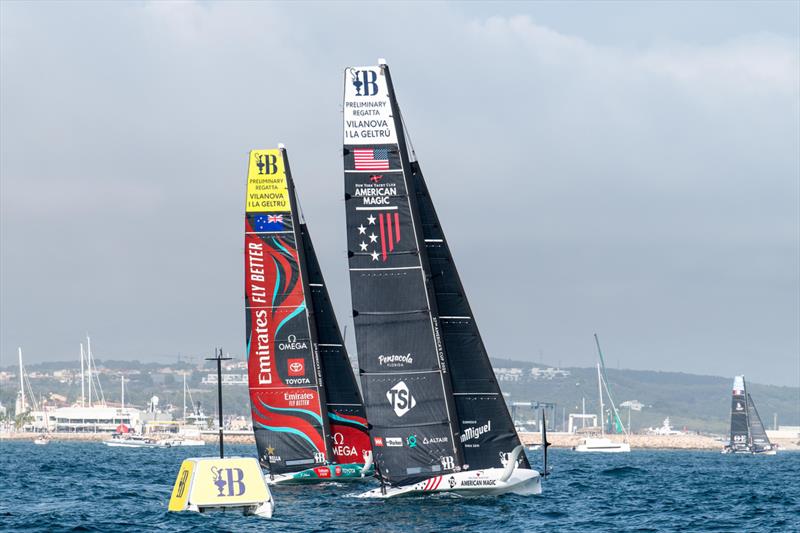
(401, 399)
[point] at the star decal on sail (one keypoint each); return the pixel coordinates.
(385, 235)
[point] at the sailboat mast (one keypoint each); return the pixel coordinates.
(89, 366)
(122, 384)
(21, 382)
(747, 414)
(600, 393)
(184, 397)
(83, 390)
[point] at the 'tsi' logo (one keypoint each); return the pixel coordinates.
(400, 398)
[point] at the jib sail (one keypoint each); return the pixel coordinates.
(758, 434)
(286, 392)
(740, 431)
(486, 428)
(429, 389)
(345, 408)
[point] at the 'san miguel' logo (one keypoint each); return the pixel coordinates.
(266, 163)
(230, 478)
(365, 80)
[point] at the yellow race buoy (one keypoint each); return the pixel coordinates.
(208, 484)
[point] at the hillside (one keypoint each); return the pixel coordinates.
(694, 401)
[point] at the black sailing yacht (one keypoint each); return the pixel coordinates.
(438, 419)
(747, 431)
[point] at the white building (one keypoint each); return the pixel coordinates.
(85, 419)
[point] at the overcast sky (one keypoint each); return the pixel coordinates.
(629, 169)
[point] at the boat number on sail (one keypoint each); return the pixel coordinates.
(401, 399)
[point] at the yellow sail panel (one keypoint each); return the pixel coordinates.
(267, 191)
(180, 492)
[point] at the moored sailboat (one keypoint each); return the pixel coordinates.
(747, 433)
(602, 443)
(439, 422)
(308, 416)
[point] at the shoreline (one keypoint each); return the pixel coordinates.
(559, 440)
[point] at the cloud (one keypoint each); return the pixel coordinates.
(648, 191)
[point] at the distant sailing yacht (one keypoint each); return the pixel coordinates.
(438, 419)
(747, 431)
(308, 416)
(604, 444)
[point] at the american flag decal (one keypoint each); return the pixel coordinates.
(371, 158)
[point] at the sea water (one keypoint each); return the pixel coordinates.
(86, 486)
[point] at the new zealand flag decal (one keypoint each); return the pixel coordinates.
(268, 222)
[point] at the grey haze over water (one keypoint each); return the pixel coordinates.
(629, 169)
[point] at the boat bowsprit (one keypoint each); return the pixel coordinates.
(487, 481)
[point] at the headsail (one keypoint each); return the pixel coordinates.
(486, 429)
(740, 432)
(286, 390)
(429, 389)
(758, 435)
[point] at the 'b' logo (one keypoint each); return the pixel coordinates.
(366, 81)
(266, 163)
(230, 479)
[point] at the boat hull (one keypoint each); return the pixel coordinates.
(323, 474)
(603, 445)
(486, 482)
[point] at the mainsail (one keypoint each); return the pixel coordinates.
(429, 389)
(290, 336)
(740, 431)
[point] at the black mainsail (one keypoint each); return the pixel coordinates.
(429, 389)
(294, 349)
(740, 428)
